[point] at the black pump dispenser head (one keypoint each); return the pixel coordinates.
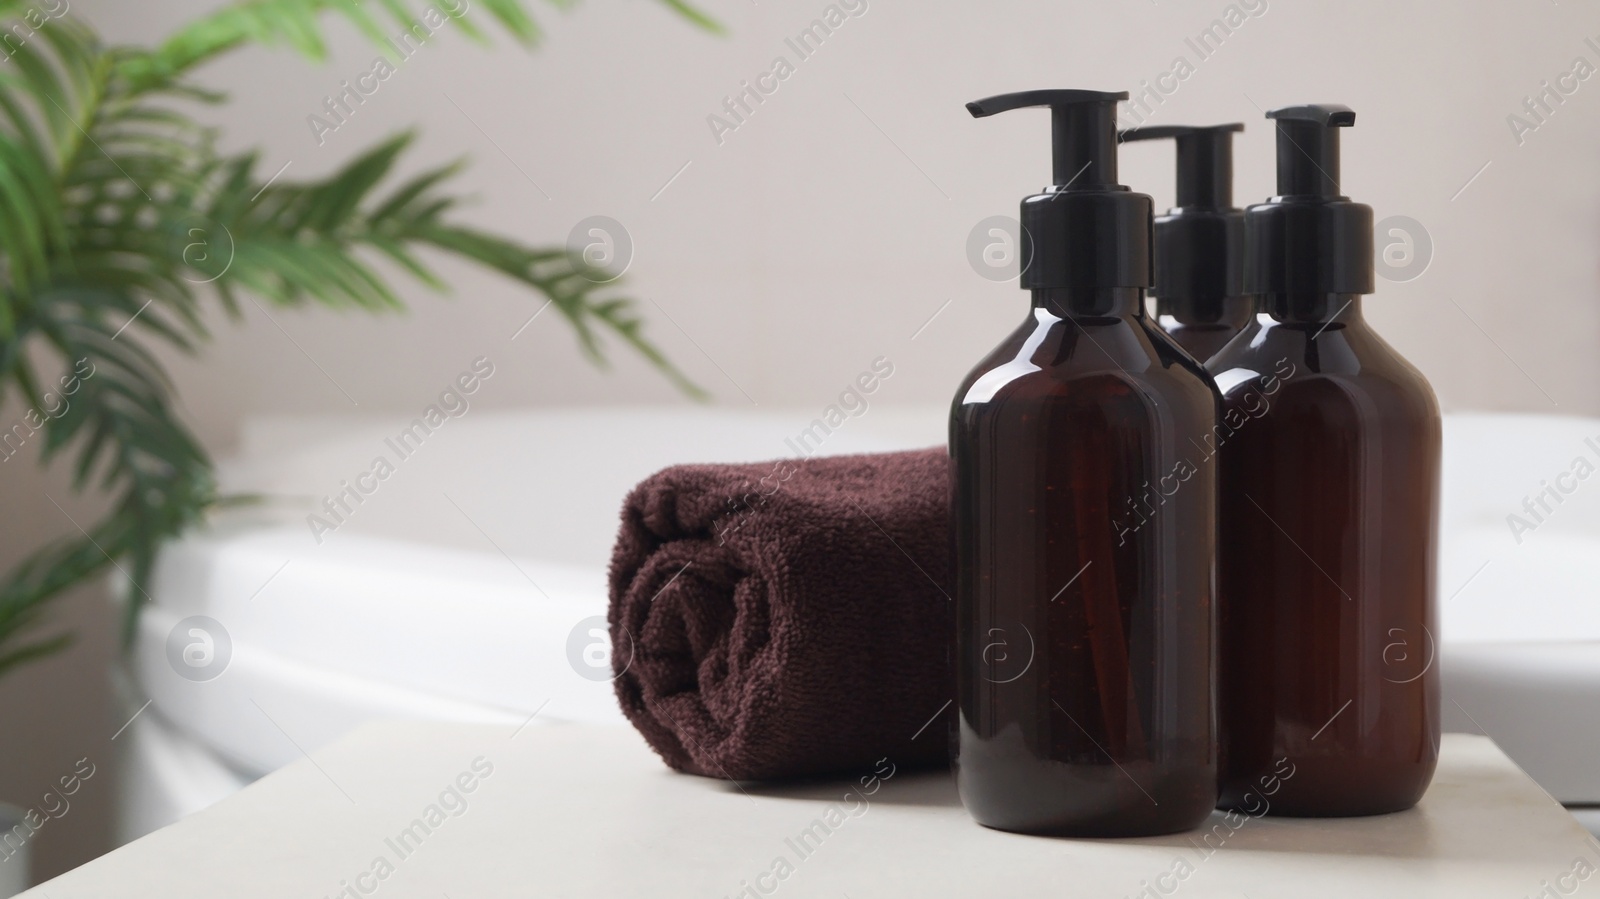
(1310, 239)
(1086, 230)
(1082, 129)
(1308, 149)
(1199, 243)
(1205, 161)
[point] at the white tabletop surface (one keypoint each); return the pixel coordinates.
(589, 811)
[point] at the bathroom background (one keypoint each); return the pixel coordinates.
(775, 260)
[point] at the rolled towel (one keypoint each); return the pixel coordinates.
(785, 619)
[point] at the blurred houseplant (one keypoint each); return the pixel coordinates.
(119, 218)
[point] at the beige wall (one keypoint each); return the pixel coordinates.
(831, 226)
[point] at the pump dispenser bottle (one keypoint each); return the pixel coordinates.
(1329, 462)
(1084, 525)
(1199, 243)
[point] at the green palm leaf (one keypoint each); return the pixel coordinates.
(119, 220)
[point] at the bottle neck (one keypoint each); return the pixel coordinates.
(1230, 312)
(1092, 302)
(1311, 308)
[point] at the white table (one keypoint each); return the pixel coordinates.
(589, 811)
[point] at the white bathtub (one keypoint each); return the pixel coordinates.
(466, 585)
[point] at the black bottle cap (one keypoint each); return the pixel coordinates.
(1086, 230)
(1199, 243)
(1310, 239)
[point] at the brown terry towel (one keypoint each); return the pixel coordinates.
(789, 618)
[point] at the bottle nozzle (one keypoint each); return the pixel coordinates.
(1083, 128)
(1308, 148)
(1205, 161)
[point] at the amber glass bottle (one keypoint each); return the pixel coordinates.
(1199, 242)
(1084, 527)
(1329, 482)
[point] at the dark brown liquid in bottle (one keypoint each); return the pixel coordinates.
(1329, 466)
(1203, 338)
(1084, 528)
